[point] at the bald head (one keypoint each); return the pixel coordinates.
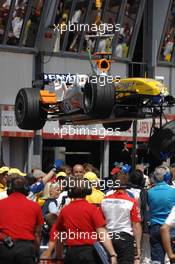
(78, 170)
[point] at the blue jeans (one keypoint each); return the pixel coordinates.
(157, 250)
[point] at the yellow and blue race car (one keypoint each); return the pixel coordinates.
(80, 99)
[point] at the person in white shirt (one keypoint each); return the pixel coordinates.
(76, 17)
(123, 221)
(165, 234)
(17, 25)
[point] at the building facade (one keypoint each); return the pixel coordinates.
(54, 36)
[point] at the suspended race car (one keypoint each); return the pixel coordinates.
(82, 99)
(97, 98)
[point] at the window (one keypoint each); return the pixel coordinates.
(16, 22)
(4, 13)
(110, 19)
(91, 31)
(167, 45)
(77, 21)
(32, 25)
(19, 21)
(126, 30)
(63, 19)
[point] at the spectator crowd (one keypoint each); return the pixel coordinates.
(72, 215)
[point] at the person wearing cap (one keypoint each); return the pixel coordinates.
(3, 181)
(63, 199)
(67, 169)
(79, 225)
(118, 168)
(123, 220)
(161, 199)
(96, 196)
(16, 171)
(3, 178)
(8, 174)
(20, 225)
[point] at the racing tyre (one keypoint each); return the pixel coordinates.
(162, 142)
(98, 99)
(118, 126)
(28, 111)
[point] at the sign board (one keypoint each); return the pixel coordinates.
(52, 129)
(8, 124)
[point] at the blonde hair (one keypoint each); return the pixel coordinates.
(46, 191)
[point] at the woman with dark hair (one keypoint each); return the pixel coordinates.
(137, 188)
(137, 184)
(136, 179)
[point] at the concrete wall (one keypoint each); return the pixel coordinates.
(6, 151)
(165, 72)
(16, 71)
(73, 65)
(18, 153)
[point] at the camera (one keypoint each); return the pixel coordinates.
(8, 242)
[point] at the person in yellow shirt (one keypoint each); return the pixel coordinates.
(96, 196)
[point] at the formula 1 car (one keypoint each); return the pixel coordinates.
(80, 99)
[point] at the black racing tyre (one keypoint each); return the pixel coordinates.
(162, 142)
(118, 126)
(98, 99)
(28, 111)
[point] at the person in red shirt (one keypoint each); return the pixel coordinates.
(20, 225)
(80, 224)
